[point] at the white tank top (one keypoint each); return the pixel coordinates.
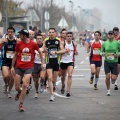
(68, 57)
(37, 56)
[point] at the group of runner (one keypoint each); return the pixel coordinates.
(45, 58)
(110, 49)
(38, 57)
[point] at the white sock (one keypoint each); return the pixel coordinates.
(96, 80)
(116, 82)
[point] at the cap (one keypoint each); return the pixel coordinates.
(24, 32)
(115, 28)
(110, 32)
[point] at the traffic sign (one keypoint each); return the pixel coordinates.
(0, 16)
(47, 25)
(47, 15)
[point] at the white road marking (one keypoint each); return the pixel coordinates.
(58, 82)
(87, 58)
(82, 62)
(75, 67)
(85, 69)
(58, 95)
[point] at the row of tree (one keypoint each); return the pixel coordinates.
(55, 11)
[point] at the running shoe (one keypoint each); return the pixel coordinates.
(91, 81)
(27, 91)
(9, 95)
(116, 87)
(52, 98)
(95, 87)
(68, 94)
(108, 92)
(45, 90)
(112, 81)
(5, 88)
(30, 87)
(36, 95)
(17, 96)
(41, 89)
(62, 89)
(21, 108)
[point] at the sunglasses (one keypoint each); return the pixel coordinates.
(110, 34)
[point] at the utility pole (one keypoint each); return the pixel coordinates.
(6, 19)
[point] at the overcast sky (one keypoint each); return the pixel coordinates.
(109, 8)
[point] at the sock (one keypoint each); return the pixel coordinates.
(116, 82)
(96, 80)
(92, 76)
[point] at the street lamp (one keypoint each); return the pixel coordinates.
(6, 19)
(80, 17)
(72, 6)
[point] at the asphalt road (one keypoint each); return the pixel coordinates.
(84, 104)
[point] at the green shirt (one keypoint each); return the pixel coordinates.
(104, 36)
(110, 48)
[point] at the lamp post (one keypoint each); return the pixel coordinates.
(6, 18)
(80, 17)
(72, 6)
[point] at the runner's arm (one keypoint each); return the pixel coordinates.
(41, 56)
(102, 50)
(62, 50)
(14, 59)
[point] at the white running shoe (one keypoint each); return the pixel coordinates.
(52, 98)
(108, 92)
(45, 90)
(9, 95)
(36, 95)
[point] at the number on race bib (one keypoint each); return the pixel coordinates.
(9, 54)
(26, 57)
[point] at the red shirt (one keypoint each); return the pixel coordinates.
(117, 38)
(25, 54)
(96, 51)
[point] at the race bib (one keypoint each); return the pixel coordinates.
(53, 56)
(9, 54)
(96, 51)
(26, 57)
(110, 56)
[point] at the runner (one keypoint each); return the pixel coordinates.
(104, 35)
(23, 61)
(67, 63)
(117, 37)
(38, 72)
(95, 58)
(52, 46)
(110, 50)
(8, 43)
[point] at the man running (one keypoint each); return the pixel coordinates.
(95, 58)
(117, 37)
(52, 47)
(110, 49)
(38, 72)
(8, 43)
(23, 61)
(67, 63)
